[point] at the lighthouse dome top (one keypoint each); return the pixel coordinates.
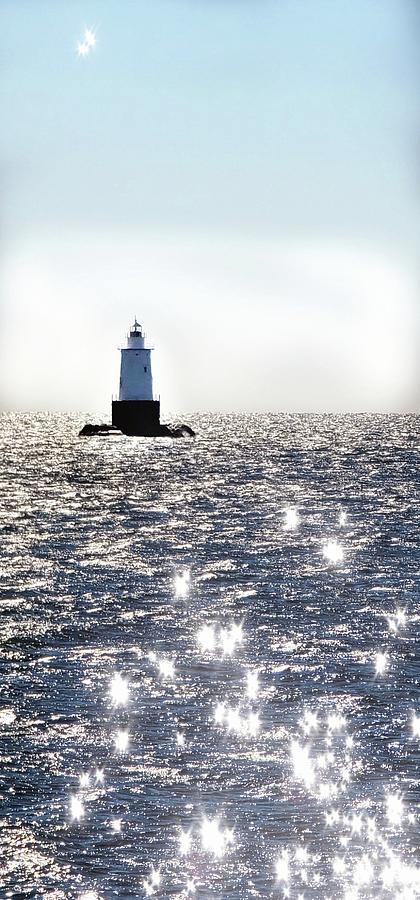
(135, 337)
(135, 330)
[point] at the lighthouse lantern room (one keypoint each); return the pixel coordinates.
(136, 412)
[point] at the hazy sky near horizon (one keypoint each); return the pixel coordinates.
(240, 174)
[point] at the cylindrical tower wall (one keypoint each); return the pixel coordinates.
(136, 381)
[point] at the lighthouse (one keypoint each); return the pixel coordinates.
(136, 412)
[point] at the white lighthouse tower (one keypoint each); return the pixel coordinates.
(136, 368)
(136, 412)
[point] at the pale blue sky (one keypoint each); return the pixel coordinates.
(250, 126)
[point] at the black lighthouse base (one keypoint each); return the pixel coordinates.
(137, 417)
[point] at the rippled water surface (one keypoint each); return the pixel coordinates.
(265, 565)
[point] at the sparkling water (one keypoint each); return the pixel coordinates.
(210, 659)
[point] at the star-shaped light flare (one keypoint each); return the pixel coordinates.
(87, 44)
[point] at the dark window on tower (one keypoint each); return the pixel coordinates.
(145, 368)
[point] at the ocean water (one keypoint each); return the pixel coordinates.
(210, 659)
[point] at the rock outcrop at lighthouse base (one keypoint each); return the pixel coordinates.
(104, 429)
